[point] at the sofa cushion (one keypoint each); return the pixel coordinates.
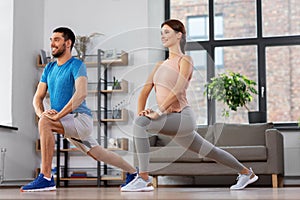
(207, 133)
(173, 154)
(179, 154)
(245, 153)
(240, 134)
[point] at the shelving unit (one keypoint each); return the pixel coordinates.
(124, 117)
(67, 151)
(123, 147)
(106, 115)
(102, 92)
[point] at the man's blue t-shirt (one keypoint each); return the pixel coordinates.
(61, 83)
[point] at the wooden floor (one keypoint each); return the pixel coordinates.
(159, 193)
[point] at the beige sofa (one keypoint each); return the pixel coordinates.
(258, 146)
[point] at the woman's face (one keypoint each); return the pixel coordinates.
(169, 37)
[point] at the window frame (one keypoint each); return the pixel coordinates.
(261, 42)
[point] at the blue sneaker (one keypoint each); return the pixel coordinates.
(129, 178)
(39, 184)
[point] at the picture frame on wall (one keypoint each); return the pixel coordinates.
(110, 54)
(44, 58)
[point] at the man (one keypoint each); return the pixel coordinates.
(66, 81)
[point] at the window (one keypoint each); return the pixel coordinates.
(219, 26)
(6, 35)
(280, 18)
(197, 28)
(219, 58)
(258, 38)
(241, 59)
(238, 19)
(195, 92)
(283, 98)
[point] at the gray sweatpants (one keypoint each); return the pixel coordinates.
(181, 127)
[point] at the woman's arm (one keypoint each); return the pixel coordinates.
(146, 90)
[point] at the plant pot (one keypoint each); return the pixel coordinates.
(117, 114)
(257, 117)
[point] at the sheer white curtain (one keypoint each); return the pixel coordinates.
(6, 35)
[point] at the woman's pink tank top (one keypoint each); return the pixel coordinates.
(164, 81)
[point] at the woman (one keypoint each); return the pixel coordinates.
(173, 116)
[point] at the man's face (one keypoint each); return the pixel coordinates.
(58, 45)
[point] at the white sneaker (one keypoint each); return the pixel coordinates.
(243, 180)
(138, 185)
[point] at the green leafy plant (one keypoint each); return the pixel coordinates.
(81, 43)
(233, 89)
(116, 83)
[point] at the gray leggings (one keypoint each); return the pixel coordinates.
(181, 127)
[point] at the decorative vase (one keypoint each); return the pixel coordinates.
(82, 56)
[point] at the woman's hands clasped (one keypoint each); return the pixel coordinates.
(149, 113)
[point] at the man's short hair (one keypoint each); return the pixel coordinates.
(68, 34)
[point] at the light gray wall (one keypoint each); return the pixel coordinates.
(28, 34)
(125, 24)
(6, 31)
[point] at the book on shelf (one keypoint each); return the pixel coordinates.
(79, 174)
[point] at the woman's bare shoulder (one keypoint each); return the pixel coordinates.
(187, 59)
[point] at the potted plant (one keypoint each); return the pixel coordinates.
(233, 89)
(116, 84)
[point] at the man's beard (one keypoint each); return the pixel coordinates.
(59, 52)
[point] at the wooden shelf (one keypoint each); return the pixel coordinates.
(103, 178)
(124, 117)
(91, 64)
(122, 61)
(92, 91)
(79, 179)
(113, 178)
(124, 88)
